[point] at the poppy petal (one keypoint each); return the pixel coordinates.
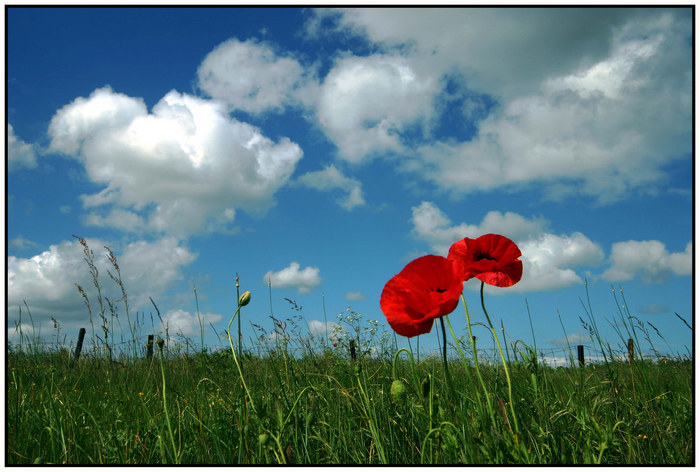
(427, 288)
(491, 258)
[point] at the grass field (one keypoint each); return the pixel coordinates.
(325, 408)
(290, 398)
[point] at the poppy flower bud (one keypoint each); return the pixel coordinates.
(358, 369)
(398, 391)
(244, 299)
(264, 439)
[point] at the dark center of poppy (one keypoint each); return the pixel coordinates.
(438, 290)
(480, 256)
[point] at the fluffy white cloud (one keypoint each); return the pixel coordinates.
(331, 178)
(355, 296)
(581, 337)
(549, 260)
(431, 225)
(85, 121)
(20, 243)
(650, 259)
(599, 112)
(47, 280)
(594, 131)
(150, 267)
(444, 39)
(182, 169)
(330, 329)
(188, 324)
(116, 218)
(366, 103)
(250, 76)
(304, 280)
(19, 153)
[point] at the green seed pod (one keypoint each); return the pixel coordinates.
(264, 439)
(425, 387)
(398, 391)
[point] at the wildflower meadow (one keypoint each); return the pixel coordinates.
(354, 400)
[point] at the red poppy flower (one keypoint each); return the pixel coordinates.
(491, 258)
(427, 288)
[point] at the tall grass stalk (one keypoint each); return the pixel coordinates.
(477, 370)
(199, 318)
(118, 280)
(594, 331)
(444, 357)
(503, 360)
(370, 416)
(241, 303)
(238, 296)
(566, 337)
(94, 274)
(176, 456)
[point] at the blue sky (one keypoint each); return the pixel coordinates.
(322, 150)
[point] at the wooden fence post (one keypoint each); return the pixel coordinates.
(581, 360)
(352, 349)
(149, 347)
(79, 346)
(630, 350)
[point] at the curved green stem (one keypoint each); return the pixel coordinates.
(413, 365)
(476, 359)
(430, 433)
(444, 356)
(289, 415)
(503, 359)
(235, 358)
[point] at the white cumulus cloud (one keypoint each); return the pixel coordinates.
(599, 112)
(20, 243)
(19, 153)
(251, 76)
(47, 280)
(188, 324)
(304, 280)
(549, 260)
(181, 169)
(328, 330)
(366, 103)
(355, 296)
(432, 225)
(330, 178)
(650, 259)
